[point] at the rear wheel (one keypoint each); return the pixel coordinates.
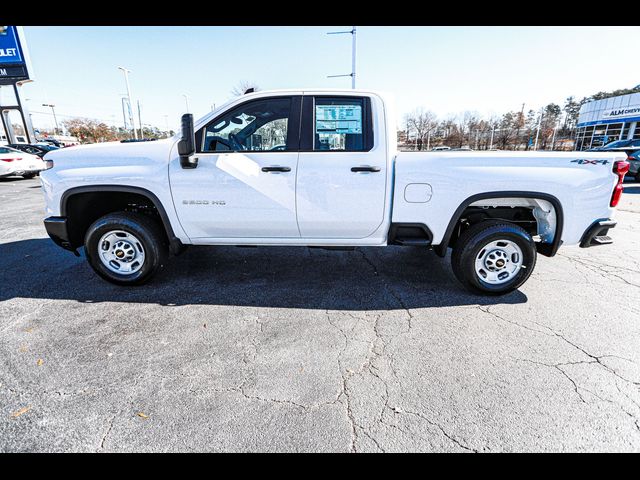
(493, 257)
(126, 248)
(28, 175)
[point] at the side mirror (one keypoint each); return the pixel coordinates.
(187, 144)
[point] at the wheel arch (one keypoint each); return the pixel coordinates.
(175, 243)
(547, 249)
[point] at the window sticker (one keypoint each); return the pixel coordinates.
(338, 119)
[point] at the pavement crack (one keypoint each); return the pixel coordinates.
(107, 432)
(439, 427)
(389, 289)
(344, 387)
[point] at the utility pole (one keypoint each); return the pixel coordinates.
(55, 119)
(126, 79)
(124, 115)
(140, 121)
(166, 121)
(353, 56)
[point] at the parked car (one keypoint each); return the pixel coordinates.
(16, 163)
(339, 182)
(440, 149)
(617, 145)
(50, 141)
(634, 164)
(39, 150)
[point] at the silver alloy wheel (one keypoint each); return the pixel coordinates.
(121, 252)
(499, 261)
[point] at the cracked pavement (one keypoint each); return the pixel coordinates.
(277, 349)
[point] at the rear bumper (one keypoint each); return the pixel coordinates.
(57, 230)
(596, 234)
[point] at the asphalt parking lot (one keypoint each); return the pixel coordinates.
(275, 349)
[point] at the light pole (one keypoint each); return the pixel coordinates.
(353, 56)
(493, 129)
(186, 101)
(126, 79)
(140, 121)
(166, 121)
(55, 119)
(538, 129)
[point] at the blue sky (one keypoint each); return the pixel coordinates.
(445, 69)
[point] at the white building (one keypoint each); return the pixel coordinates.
(604, 121)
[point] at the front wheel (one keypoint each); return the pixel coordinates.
(493, 258)
(125, 248)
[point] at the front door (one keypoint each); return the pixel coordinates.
(342, 169)
(244, 184)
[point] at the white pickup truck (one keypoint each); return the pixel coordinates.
(321, 168)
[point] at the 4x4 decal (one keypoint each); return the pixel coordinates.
(584, 161)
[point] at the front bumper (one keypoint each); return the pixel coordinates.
(596, 234)
(57, 230)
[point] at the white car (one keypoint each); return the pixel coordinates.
(321, 168)
(16, 163)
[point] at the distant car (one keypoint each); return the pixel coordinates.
(39, 150)
(51, 141)
(462, 149)
(17, 163)
(633, 157)
(618, 144)
(440, 149)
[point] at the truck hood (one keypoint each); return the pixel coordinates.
(111, 153)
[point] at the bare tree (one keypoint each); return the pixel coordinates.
(243, 86)
(421, 124)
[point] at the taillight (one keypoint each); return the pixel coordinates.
(620, 168)
(9, 159)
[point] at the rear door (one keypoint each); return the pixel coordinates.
(342, 168)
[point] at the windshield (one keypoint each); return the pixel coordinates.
(8, 150)
(618, 144)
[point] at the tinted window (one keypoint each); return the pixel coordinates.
(339, 124)
(261, 125)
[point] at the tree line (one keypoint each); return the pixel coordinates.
(87, 130)
(551, 128)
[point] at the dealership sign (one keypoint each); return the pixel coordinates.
(14, 60)
(621, 113)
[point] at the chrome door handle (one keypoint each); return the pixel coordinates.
(276, 169)
(365, 169)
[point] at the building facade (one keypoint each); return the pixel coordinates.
(607, 120)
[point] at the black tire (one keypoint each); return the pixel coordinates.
(28, 175)
(638, 176)
(470, 245)
(145, 229)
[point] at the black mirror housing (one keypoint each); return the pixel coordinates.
(187, 143)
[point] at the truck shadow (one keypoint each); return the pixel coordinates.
(280, 277)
